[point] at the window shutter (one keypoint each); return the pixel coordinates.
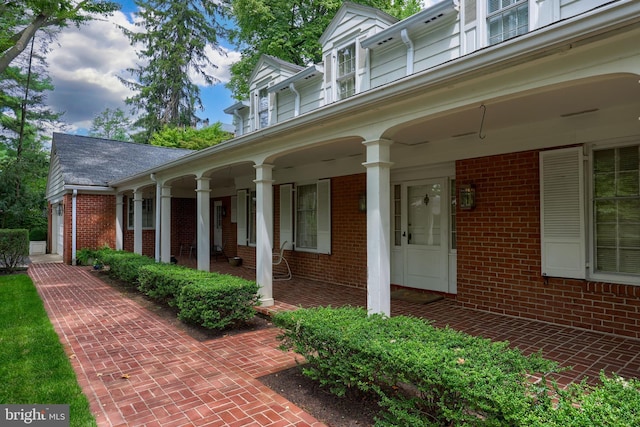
(327, 69)
(324, 216)
(286, 217)
(242, 217)
(562, 213)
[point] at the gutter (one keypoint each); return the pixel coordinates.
(540, 43)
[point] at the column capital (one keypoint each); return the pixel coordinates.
(264, 173)
(381, 141)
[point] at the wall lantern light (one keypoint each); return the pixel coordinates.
(59, 209)
(362, 202)
(467, 196)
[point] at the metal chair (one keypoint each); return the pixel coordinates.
(218, 250)
(279, 259)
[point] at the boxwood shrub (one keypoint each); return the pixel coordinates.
(218, 302)
(424, 376)
(163, 282)
(124, 265)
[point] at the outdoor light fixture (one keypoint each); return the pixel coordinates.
(362, 202)
(467, 196)
(59, 209)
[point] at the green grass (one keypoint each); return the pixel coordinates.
(34, 368)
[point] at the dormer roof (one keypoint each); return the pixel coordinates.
(306, 74)
(356, 9)
(277, 65)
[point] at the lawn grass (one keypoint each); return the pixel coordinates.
(34, 368)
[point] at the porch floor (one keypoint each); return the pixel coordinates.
(588, 352)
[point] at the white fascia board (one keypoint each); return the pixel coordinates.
(536, 44)
(307, 72)
(429, 16)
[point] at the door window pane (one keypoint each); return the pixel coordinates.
(423, 212)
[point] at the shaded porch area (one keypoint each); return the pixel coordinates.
(587, 352)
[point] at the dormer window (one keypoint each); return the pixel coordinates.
(346, 76)
(263, 108)
(507, 19)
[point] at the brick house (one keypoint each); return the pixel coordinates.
(483, 150)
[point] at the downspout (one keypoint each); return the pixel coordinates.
(240, 121)
(158, 217)
(74, 226)
(296, 102)
(407, 41)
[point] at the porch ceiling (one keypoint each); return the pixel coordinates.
(531, 107)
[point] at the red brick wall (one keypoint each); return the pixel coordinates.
(499, 254)
(95, 226)
(347, 263)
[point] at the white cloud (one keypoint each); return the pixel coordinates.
(85, 65)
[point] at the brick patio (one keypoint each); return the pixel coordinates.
(174, 380)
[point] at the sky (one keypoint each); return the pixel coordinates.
(85, 63)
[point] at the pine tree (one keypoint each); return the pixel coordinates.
(174, 35)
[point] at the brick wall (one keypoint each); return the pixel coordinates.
(95, 226)
(499, 254)
(347, 263)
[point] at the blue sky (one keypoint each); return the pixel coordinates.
(85, 63)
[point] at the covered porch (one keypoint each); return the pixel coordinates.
(587, 352)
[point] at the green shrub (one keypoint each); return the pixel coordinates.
(86, 256)
(218, 302)
(14, 248)
(124, 265)
(163, 282)
(424, 376)
(38, 234)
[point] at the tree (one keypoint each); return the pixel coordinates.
(111, 124)
(21, 19)
(175, 35)
(190, 138)
(288, 30)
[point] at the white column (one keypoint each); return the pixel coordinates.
(165, 224)
(119, 221)
(202, 222)
(264, 233)
(137, 221)
(378, 167)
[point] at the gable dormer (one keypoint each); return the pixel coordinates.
(344, 58)
(268, 72)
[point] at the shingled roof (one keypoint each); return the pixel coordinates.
(95, 161)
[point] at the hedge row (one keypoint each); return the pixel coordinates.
(211, 300)
(426, 376)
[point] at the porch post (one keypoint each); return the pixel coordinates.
(378, 167)
(165, 224)
(119, 221)
(202, 222)
(137, 221)
(264, 232)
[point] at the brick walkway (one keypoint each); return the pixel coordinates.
(172, 379)
(175, 380)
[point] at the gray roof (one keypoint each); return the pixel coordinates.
(95, 161)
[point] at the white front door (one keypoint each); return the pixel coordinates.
(422, 236)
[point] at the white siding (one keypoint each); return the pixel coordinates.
(388, 64)
(55, 182)
(286, 105)
(437, 46)
(569, 8)
(311, 95)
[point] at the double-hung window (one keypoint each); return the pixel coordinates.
(616, 209)
(613, 220)
(507, 19)
(148, 213)
(346, 71)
